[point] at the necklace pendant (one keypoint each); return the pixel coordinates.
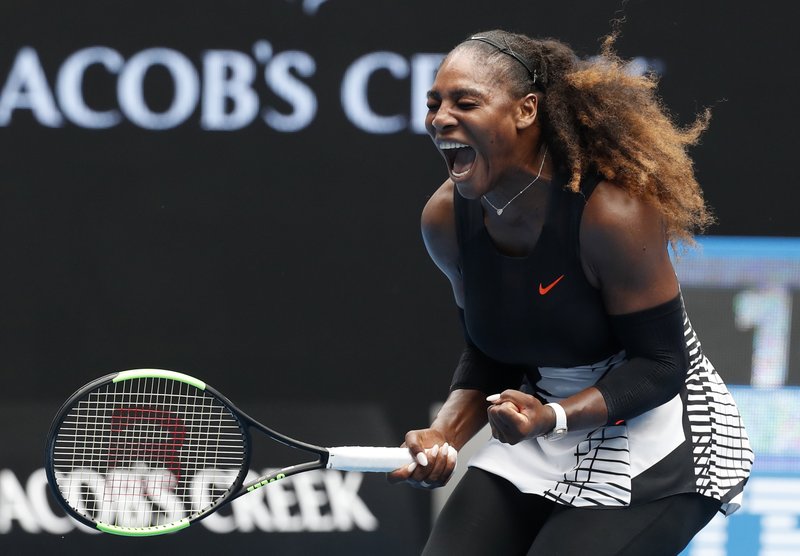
(499, 212)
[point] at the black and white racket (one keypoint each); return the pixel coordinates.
(149, 451)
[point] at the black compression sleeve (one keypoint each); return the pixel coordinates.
(657, 361)
(477, 371)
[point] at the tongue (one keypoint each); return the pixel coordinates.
(463, 160)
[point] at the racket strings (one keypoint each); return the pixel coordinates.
(147, 452)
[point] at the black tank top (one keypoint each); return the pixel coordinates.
(536, 310)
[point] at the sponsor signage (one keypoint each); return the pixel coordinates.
(358, 513)
(222, 89)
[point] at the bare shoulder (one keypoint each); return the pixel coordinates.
(612, 209)
(439, 210)
(624, 249)
(615, 217)
(438, 224)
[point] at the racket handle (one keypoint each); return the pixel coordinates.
(367, 458)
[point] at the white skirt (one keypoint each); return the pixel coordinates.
(599, 468)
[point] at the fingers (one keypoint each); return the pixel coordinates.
(402, 474)
(434, 460)
(440, 462)
(436, 467)
(507, 426)
(514, 397)
(508, 413)
(415, 443)
(508, 416)
(505, 413)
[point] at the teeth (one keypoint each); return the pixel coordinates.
(451, 145)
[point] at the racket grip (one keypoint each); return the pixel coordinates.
(367, 458)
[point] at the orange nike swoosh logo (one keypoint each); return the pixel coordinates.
(543, 290)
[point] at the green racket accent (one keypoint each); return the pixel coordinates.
(277, 477)
(135, 532)
(159, 373)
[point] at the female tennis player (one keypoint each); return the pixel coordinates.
(612, 432)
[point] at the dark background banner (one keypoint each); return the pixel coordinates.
(233, 189)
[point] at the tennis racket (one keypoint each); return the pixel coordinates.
(148, 451)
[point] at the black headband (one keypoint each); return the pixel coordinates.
(506, 49)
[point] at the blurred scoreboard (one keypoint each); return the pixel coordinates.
(740, 293)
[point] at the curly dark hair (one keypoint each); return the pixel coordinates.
(598, 116)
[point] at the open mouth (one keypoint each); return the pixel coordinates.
(459, 157)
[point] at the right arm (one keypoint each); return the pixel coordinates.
(464, 412)
(438, 225)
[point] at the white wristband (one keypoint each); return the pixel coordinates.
(560, 430)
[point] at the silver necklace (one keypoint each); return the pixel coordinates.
(500, 210)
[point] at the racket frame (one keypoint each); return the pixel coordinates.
(236, 489)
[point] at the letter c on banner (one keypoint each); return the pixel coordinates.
(69, 87)
(354, 91)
